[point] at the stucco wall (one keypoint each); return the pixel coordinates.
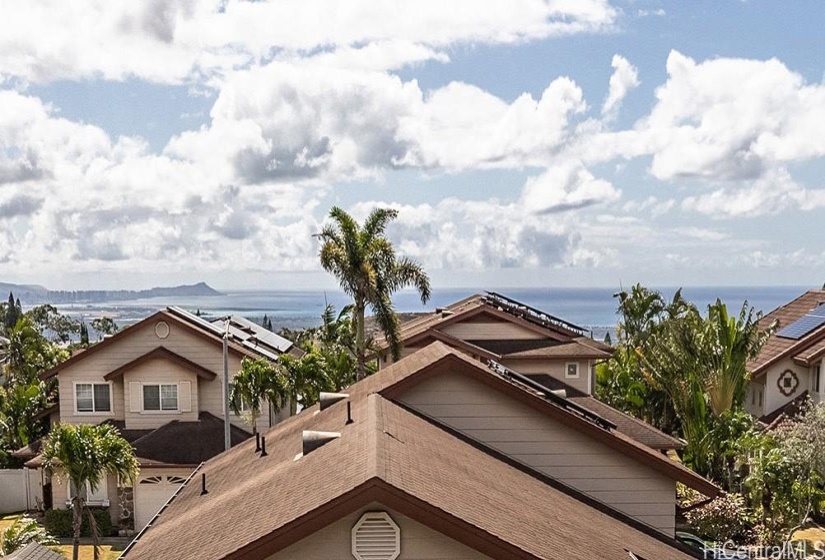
(773, 396)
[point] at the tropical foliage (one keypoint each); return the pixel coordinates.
(85, 455)
(22, 531)
(368, 270)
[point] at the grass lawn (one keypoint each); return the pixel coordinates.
(110, 552)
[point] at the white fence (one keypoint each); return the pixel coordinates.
(20, 490)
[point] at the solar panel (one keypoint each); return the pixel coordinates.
(804, 325)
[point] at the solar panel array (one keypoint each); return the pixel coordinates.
(805, 324)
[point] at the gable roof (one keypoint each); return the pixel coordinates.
(161, 352)
(192, 323)
(35, 551)
(777, 347)
(401, 375)
(393, 457)
(559, 338)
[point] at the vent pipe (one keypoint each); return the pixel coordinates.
(203, 484)
(263, 446)
(313, 440)
(349, 413)
(560, 393)
(257, 442)
(326, 400)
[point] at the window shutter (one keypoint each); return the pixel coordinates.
(134, 396)
(185, 396)
(376, 537)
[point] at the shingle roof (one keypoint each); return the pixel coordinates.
(186, 443)
(778, 347)
(34, 551)
(391, 456)
(174, 443)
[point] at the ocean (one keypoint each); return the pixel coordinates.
(593, 308)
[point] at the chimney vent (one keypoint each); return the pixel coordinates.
(313, 440)
(203, 484)
(560, 393)
(257, 442)
(326, 400)
(263, 446)
(349, 413)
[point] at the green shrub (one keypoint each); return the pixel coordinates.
(59, 522)
(725, 518)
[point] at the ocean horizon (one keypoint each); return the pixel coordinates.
(592, 308)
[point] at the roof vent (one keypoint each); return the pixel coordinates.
(376, 537)
(446, 313)
(313, 440)
(560, 393)
(326, 400)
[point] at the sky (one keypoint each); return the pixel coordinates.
(525, 143)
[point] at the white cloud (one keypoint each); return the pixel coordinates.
(566, 187)
(770, 194)
(625, 78)
(174, 41)
(732, 119)
(299, 120)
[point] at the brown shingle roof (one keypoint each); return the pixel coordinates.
(777, 347)
(393, 457)
(186, 443)
(630, 426)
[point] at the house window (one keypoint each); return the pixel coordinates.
(160, 397)
(242, 404)
(98, 496)
(92, 397)
(572, 370)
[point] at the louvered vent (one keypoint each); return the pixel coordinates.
(376, 537)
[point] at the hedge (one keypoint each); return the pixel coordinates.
(59, 522)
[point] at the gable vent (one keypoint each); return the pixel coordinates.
(376, 537)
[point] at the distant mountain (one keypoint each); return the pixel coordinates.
(34, 295)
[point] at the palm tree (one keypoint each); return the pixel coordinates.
(86, 454)
(364, 262)
(256, 381)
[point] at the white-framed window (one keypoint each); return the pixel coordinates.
(92, 398)
(160, 397)
(571, 370)
(100, 496)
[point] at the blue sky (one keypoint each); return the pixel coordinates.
(524, 142)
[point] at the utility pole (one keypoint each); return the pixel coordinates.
(227, 439)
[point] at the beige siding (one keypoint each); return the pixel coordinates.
(418, 542)
(546, 445)
(490, 330)
(159, 371)
(181, 341)
(556, 369)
